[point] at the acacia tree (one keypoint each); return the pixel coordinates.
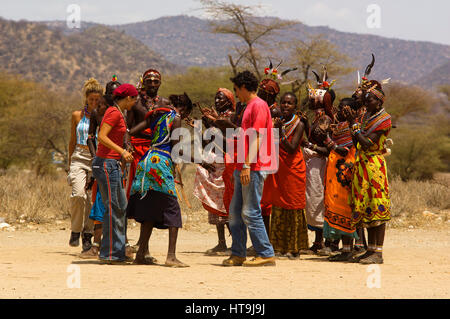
(403, 100)
(241, 21)
(311, 55)
(35, 123)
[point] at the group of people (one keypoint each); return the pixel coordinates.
(327, 174)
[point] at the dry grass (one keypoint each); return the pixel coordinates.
(420, 203)
(196, 217)
(25, 198)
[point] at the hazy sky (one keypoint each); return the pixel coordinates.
(403, 19)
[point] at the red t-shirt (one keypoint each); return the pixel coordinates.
(114, 118)
(257, 116)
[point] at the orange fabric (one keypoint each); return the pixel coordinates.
(287, 187)
(94, 191)
(338, 212)
(141, 146)
(227, 176)
(213, 211)
(96, 222)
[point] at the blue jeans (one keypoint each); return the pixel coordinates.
(245, 212)
(109, 178)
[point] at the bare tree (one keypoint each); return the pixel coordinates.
(241, 21)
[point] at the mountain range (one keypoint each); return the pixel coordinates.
(52, 53)
(188, 41)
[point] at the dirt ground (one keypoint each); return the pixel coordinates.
(38, 263)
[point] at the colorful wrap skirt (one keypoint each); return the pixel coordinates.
(288, 230)
(370, 190)
(153, 195)
(338, 210)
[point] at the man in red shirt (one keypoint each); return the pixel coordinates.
(256, 151)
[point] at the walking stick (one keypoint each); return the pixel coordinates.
(177, 167)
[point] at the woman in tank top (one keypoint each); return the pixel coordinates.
(80, 161)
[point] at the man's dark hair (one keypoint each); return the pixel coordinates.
(181, 101)
(110, 87)
(350, 102)
(246, 79)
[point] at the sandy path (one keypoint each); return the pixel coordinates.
(34, 264)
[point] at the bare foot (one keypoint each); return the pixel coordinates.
(175, 263)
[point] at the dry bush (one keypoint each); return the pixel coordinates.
(411, 199)
(26, 197)
(44, 199)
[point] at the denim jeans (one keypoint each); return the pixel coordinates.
(109, 178)
(245, 212)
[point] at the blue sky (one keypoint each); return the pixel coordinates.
(410, 20)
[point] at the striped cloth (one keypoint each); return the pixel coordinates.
(342, 136)
(380, 121)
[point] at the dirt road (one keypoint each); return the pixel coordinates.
(40, 264)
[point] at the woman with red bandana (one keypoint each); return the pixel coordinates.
(106, 168)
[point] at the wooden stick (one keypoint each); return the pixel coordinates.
(178, 195)
(177, 167)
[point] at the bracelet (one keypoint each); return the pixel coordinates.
(356, 128)
(245, 166)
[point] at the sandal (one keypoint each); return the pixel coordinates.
(344, 256)
(293, 256)
(151, 259)
(372, 259)
(218, 249)
(279, 255)
(90, 254)
(313, 249)
(175, 264)
(147, 260)
(357, 258)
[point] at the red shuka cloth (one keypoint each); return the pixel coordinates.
(141, 146)
(287, 187)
